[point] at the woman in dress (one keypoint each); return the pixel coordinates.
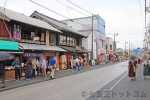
(131, 67)
(28, 69)
(146, 69)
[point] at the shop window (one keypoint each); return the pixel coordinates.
(52, 39)
(62, 40)
(110, 47)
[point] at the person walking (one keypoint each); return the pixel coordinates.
(131, 68)
(44, 67)
(81, 62)
(33, 67)
(77, 64)
(16, 65)
(2, 73)
(28, 69)
(52, 63)
(146, 68)
(38, 67)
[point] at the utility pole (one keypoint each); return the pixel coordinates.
(146, 44)
(92, 40)
(125, 49)
(129, 47)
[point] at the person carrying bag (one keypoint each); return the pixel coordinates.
(16, 65)
(51, 66)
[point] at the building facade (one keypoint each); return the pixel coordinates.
(109, 45)
(98, 30)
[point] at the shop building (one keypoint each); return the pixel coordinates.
(70, 40)
(26, 36)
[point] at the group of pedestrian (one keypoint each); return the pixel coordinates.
(133, 65)
(77, 64)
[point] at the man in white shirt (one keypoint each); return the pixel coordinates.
(77, 64)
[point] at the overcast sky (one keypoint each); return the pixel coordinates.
(121, 16)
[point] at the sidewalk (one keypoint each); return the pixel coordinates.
(15, 84)
(131, 90)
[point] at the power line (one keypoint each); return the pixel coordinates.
(58, 14)
(79, 7)
(71, 8)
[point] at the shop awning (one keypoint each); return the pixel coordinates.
(73, 49)
(27, 46)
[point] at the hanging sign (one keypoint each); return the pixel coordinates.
(47, 38)
(17, 32)
(42, 36)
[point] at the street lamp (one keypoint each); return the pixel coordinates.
(125, 48)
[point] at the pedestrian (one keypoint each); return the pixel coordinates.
(131, 67)
(2, 73)
(81, 62)
(77, 64)
(146, 69)
(16, 65)
(38, 67)
(33, 67)
(52, 63)
(136, 67)
(28, 69)
(44, 67)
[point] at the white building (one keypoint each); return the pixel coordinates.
(86, 43)
(98, 32)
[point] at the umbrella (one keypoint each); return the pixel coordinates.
(5, 56)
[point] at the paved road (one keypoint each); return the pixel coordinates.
(74, 87)
(131, 90)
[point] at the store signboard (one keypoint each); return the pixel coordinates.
(36, 38)
(101, 51)
(78, 48)
(48, 54)
(8, 45)
(32, 54)
(47, 38)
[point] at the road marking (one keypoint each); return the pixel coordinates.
(114, 85)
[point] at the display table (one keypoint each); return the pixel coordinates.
(10, 74)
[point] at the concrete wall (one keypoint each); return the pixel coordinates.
(109, 41)
(87, 44)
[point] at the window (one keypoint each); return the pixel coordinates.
(106, 47)
(52, 39)
(110, 47)
(62, 40)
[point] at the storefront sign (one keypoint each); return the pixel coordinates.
(17, 32)
(102, 51)
(8, 45)
(32, 34)
(36, 38)
(78, 48)
(42, 36)
(32, 54)
(47, 38)
(48, 54)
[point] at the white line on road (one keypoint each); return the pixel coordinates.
(114, 86)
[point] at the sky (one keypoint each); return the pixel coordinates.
(121, 16)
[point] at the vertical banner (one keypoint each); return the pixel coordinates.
(42, 36)
(47, 38)
(57, 61)
(17, 32)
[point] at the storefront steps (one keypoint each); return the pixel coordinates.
(11, 83)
